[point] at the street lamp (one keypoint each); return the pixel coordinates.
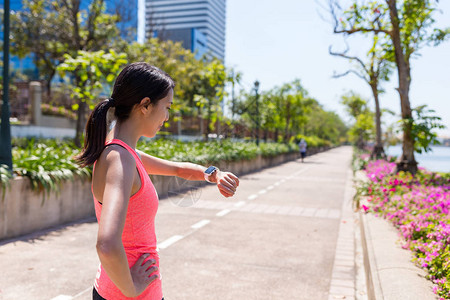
(257, 111)
(5, 128)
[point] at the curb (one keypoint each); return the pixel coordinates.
(390, 273)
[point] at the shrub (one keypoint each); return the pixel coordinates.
(48, 162)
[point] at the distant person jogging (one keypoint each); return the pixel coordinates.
(125, 198)
(302, 147)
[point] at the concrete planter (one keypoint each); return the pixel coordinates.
(25, 211)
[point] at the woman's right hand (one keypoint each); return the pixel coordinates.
(141, 273)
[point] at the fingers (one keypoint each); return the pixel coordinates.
(227, 184)
(151, 270)
(231, 182)
(225, 191)
(141, 259)
(144, 272)
(152, 278)
(149, 263)
(235, 178)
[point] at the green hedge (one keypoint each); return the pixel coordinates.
(48, 162)
(312, 141)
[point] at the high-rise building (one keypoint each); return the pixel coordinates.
(131, 27)
(25, 65)
(199, 25)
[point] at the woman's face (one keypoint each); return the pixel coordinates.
(158, 114)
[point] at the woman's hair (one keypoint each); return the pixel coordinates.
(134, 83)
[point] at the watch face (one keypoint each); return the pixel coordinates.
(210, 170)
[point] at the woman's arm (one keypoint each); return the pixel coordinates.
(226, 182)
(158, 166)
(120, 174)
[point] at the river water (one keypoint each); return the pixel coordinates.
(437, 160)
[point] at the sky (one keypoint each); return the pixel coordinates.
(276, 42)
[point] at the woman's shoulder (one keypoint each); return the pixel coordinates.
(116, 155)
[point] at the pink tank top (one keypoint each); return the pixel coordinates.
(138, 234)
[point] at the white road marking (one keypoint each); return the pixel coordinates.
(239, 204)
(88, 290)
(251, 197)
(276, 183)
(200, 224)
(270, 187)
(223, 212)
(170, 241)
(62, 297)
(262, 192)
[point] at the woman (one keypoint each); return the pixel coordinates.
(125, 198)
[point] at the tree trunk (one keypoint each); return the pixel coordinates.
(378, 151)
(360, 143)
(50, 78)
(80, 123)
(288, 120)
(407, 161)
(208, 129)
(201, 124)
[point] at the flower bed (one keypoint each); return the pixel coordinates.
(419, 207)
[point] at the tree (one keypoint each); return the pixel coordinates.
(377, 69)
(422, 125)
(90, 70)
(287, 112)
(211, 93)
(408, 27)
(50, 29)
(326, 125)
(187, 71)
(362, 129)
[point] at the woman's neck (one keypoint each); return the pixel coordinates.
(125, 131)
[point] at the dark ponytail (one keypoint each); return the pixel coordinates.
(134, 83)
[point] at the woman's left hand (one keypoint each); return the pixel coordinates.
(227, 183)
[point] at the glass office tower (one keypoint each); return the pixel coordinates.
(199, 25)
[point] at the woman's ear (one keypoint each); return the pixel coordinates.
(145, 105)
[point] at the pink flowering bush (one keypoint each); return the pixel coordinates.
(419, 207)
(59, 111)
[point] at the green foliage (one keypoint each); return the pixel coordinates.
(47, 163)
(360, 158)
(423, 123)
(289, 111)
(92, 73)
(312, 141)
(51, 29)
(406, 27)
(90, 70)
(200, 83)
(363, 126)
(211, 152)
(5, 176)
(415, 22)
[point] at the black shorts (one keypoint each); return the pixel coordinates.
(303, 154)
(96, 296)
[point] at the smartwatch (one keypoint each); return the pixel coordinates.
(208, 172)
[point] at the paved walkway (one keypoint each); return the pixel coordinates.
(287, 234)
